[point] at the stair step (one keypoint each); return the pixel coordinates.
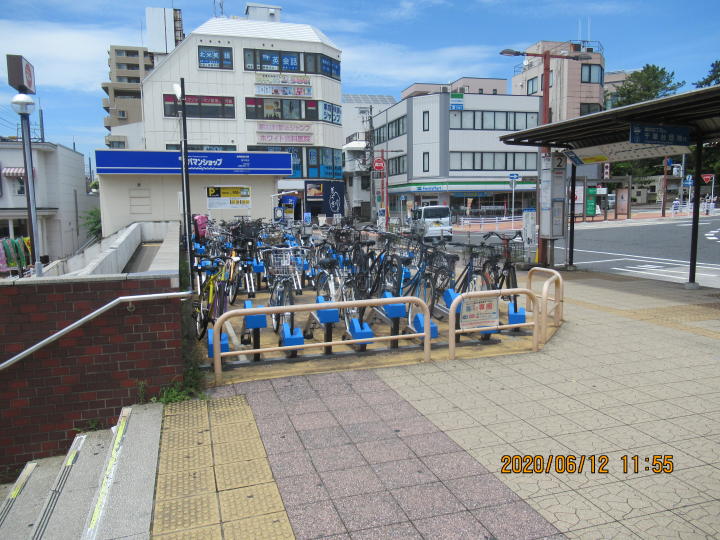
(66, 508)
(128, 507)
(24, 510)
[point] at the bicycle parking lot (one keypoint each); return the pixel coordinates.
(292, 293)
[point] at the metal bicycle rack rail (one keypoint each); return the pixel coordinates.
(218, 354)
(452, 331)
(557, 309)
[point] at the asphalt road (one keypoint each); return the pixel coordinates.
(654, 249)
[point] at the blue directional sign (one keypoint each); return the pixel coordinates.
(514, 176)
(168, 162)
(688, 182)
(655, 134)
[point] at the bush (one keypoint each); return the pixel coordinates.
(92, 222)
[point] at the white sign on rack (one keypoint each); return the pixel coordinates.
(479, 312)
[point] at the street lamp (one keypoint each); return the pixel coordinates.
(546, 56)
(24, 105)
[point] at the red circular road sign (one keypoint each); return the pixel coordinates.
(378, 164)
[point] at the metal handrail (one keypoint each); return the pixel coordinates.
(269, 310)
(532, 300)
(117, 301)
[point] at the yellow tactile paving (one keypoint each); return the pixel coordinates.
(212, 458)
(269, 527)
(188, 513)
(185, 483)
(231, 416)
(183, 422)
(185, 459)
(214, 532)
(238, 451)
(234, 432)
(175, 440)
(194, 406)
(250, 501)
(227, 403)
(242, 473)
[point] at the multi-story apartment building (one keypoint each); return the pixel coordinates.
(464, 85)
(444, 148)
(357, 151)
(613, 81)
(128, 67)
(576, 86)
(253, 84)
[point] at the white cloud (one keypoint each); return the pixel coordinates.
(407, 9)
(550, 8)
(390, 65)
(69, 56)
(329, 24)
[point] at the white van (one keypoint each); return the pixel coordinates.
(611, 200)
(431, 222)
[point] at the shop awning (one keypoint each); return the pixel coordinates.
(14, 172)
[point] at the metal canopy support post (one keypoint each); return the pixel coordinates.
(30, 195)
(571, 241)
(696, 210)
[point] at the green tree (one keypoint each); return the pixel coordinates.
(92, 222)
(713, 76)
(650, 82)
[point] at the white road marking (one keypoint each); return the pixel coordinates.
(644, 258)
(600, 261)
(660, 268)
(649, 273)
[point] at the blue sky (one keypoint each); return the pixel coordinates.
(387, 45)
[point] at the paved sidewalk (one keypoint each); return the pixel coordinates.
(416, 451)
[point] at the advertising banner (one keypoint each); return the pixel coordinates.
(331, 194)
(282, 78)
(276, 90)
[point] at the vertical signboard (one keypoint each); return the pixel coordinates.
(552, 195)
(590, 201)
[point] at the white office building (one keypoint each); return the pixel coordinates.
(443, 147)
(253, 84)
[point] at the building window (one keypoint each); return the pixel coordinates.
(426, 120)
(542, 79)
(426, 161)
(117, 144)
(589, 108)
(20, 186)
(481, 91)
(291, 62)
(494, 91)
(204, 147)
(122, 114)
(397, 165)
(591, 73)
(532, 86)
(492, 120)
(200, 106)
(365, 183)
(492, 161)
(215, 57)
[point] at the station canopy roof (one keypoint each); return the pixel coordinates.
(605, 136)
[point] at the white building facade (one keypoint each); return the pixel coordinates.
(252, 84)
(444, 148)
(61, 194)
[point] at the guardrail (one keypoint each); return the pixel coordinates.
(218, 355)
(545, 298)
(90, 316)
(532, 299)
(494, 223)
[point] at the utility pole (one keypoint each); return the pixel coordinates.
(663, 195)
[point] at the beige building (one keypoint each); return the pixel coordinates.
(129, 65)
(576, 86)
(613, 81)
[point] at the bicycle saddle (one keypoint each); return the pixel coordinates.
(327, 263)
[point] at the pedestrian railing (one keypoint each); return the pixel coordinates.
(556, 310)
(531, 305)
(490, 223)
(218, 354)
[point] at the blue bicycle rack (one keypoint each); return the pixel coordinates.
(418, 323)
(252, 324)
(289, 337)
(224, 343)
(325, 318)
(394, 312)
(516, 317)
(361, 331)
(449, 296)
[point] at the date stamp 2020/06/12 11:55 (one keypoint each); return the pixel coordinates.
(596, 464)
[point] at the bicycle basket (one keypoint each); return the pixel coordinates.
(279, 262)
(484, 253)
(515, 252)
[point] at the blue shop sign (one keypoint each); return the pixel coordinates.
(169, 162)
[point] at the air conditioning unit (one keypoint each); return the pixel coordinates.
(589, 49)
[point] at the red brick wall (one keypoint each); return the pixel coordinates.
(87, 375)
